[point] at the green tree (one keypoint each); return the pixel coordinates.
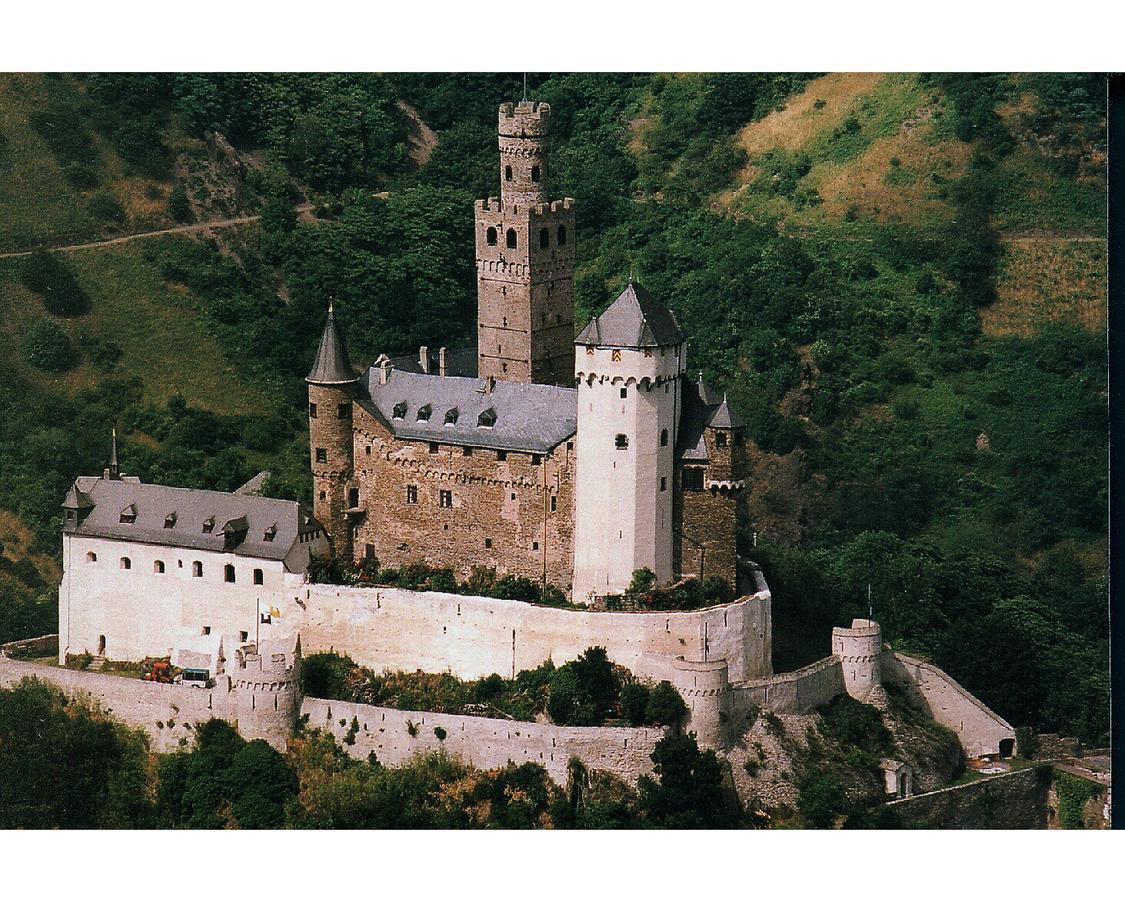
(47, 347)
(687, 791)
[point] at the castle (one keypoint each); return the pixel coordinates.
(569, 461)
(461, 460)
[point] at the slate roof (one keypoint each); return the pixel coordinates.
(702, 409)
(635, 319)
(331, 365)
(241, 518)
(532, 418)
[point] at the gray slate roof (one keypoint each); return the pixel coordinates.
(702, 409)
(635, 319)
(331, 365)
(154, 504)
(532, 418)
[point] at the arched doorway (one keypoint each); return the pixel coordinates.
(101, 645)
(1007, 748)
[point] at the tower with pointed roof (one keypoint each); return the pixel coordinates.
(525, 259)
(710, 484)
(629, 364)
(332, 386)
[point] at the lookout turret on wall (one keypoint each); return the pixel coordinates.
(332, 385)
(628, 364)
(525, 259)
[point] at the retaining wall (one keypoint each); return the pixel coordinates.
(484, 743)
(1013, 800)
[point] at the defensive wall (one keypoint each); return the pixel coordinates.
(395, 629)
(1012, 800)
(265, 708)
(792, 692)
(481, 742)
(980, 730)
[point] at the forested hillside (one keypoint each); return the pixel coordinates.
(900, 280)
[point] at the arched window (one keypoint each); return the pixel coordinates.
(535, 173)
(511, 238)
(197, 569)
(158, 566)
(507, 173)
(544, 238)
(561, 236)
(621, 442)
(490, 236)
(91, 557)
(126, 563)
(664, 437)
(258, 578)
(228, 573)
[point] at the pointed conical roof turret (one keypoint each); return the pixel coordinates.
(634, 319)
(725, 417)
(331, 365)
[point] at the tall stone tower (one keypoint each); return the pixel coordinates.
(629, 364)
(332, 386)
(525, 259)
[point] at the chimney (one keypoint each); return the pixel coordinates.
(424, 358)
(441, 361)
(384, 371)
(489, 384)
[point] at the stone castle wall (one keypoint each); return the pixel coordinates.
(397, 629)
(169, 713)
(792, 692)
(515, 515)
(1013, 800)
(481, 742)
(979, 729)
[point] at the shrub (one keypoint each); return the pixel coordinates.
(1027, 742)
(644, 580)
(821, 800)
(634, 703)
(48, 348)
(104, 206)
(178, 206)
(439, 733)
(48, 275)
(326, 675)
(103, 354)
(666, 706)
(81, 176)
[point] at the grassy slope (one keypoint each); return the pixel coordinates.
(157, 326)
(38, 206)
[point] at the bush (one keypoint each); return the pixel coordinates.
(105, 207)
(440, 733)
(1027, 742)
(634, 703)
(81, 176)
(48, 275)
(48, 348)
(821, 800)
(665, 706)
(178, 206)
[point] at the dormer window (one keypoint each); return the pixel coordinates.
(170, 520)
(399, 412)
(270, 534)
(129, 514)
(451, 416)
(209, 525)
(424, 413)
(487, 419)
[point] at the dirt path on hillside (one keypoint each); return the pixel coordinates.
(193, 228)
(420, 137)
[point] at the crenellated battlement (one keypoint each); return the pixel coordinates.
(533, 210)
(528, 118)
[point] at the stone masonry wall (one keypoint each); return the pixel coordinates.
(169, 713)
(515, 515)
(484, 743)
(792, 692)
(979, 729)
(395, 629)
(1013, 800)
